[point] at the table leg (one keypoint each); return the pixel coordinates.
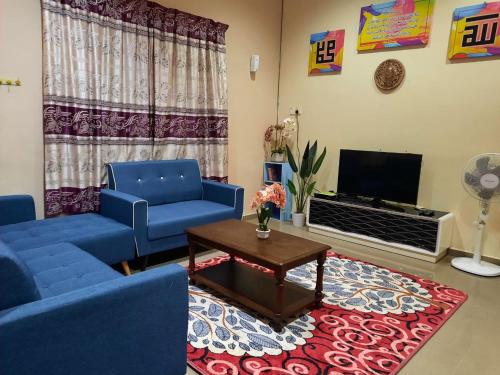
(276, 326)
(192, 253)
(319, 278)
(280, 289)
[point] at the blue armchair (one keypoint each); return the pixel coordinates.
(160, 199)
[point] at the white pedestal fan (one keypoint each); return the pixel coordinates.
(482, 181)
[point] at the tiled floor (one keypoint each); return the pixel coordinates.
(468, 343)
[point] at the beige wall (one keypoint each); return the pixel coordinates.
(254, 28)
(448, 112)
(21, 142)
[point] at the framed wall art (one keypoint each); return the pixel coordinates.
(397, 23)
(326, 52)
(475, 31)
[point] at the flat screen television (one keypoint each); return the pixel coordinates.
(380, 175)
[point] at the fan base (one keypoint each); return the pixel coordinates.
(471, 266)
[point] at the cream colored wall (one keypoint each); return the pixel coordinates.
(254, 28)
(447, 111)
(21, 142)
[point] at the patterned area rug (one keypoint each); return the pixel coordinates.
(373, 320)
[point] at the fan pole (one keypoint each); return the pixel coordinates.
(481, 223)
(475, 265)
(482, 181)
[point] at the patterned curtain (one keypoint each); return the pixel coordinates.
(189, 78)
(127, 80)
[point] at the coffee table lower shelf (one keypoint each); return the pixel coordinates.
(256, 290)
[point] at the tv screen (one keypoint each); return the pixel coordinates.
(388, 176)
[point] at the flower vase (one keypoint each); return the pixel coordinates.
(278, 157)
(263, 234)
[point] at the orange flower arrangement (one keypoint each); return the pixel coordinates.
(275, 194)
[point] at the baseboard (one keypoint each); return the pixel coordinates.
(249, 216)
(462, 253)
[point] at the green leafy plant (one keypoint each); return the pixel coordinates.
(305, 170)
(264, 215)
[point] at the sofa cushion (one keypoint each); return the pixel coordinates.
(17, 286)
(173, 219)
(63, 267)
(157, 181)
(105, 238)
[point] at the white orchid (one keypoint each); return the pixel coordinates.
(278, 135)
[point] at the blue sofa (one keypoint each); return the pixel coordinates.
(107, 239)
(64, 311)
(160, 199)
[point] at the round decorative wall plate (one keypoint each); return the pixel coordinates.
(389, 75)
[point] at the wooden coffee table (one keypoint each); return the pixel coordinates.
(269, 294)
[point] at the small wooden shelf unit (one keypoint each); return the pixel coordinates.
(280, 173)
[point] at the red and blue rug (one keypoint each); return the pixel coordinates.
(373, 320)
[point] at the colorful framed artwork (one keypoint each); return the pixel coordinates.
(327, 52)
(475, 31)
(398, 23)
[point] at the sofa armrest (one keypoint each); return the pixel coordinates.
(125, 208)
(129, 210)
(230, 195)
(131, 325)
(16, 209)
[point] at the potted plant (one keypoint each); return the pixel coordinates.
(275, 194)
(307, 167)
(277, 137)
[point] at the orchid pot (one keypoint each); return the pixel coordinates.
(277, 137)
(262, 204)
(263, 234)
(278, 156)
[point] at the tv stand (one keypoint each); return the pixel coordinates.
(379, 203)
(403, 231)
(374, 202)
